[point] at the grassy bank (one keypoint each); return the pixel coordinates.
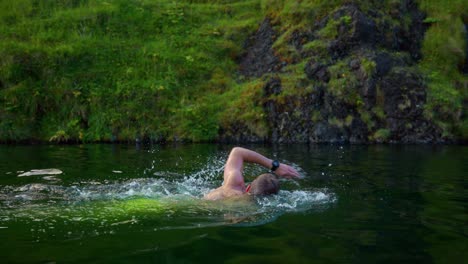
(117, 69)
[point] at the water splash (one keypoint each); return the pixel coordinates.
(166, 200)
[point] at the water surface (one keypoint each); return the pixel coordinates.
(119, 203)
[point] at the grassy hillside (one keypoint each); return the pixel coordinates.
(117, 69)
(96, 70)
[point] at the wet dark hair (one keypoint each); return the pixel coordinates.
(265, 184)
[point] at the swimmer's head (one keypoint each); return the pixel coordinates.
(264, 184)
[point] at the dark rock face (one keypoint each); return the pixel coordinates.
(272, 87)
(259, 57)
(318, 71)
(363, 89)
(409, 39)
(238, 132)
(362, 30)
(405, 95)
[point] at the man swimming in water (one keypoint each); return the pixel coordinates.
(264, 184)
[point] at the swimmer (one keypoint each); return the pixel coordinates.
(234, 185)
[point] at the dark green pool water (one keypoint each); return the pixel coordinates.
(129, 204)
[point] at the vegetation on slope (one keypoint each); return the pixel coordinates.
(441, 61)
(106, 70)
(444, 54)
(118, 69)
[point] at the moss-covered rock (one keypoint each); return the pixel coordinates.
(362, 81)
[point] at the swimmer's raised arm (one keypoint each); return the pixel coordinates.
(233, 171)
(234, 180)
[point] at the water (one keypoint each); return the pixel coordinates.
(120, 204)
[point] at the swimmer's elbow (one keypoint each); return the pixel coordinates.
(237, 149)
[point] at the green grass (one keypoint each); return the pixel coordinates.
(243, 104)
(117, 69)
(443, 54)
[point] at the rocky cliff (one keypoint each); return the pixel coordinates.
(354, 79)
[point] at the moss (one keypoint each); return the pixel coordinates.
(349, 120)
(283, 48)
(462, 130)
(331, 29)
(367, 119)
(381, 135)
(343, 83)
(60, 137)
(405, 104)
(368, 66)
(317, 47)
(379, 112)
(341, 123)
(334, 121)
(293, 79)
(443, 52)
(316, 116)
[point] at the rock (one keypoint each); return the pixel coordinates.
(358, 131)
(404, 93)
(404, 97)
(299, 38)
(272, 87)
(259, 57)
(383, 63)
(317, 71)
(365, 85)
(360, 30)
(335, 107)
(355, 64)
(41, 172)
(324, 133)
(238, 132)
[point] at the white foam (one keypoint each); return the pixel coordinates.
(296, 200)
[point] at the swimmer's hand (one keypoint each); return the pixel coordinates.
(287, 171)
